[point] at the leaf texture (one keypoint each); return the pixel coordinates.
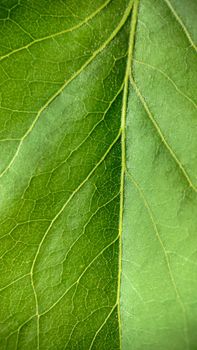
(98, 174)
(159, 230)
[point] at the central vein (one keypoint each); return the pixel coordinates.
(123, 145)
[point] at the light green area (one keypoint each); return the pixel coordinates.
(98, 175)
(159, 275)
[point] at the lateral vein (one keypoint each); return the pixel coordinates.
(168, 3)
(50, 100)
(171, 276)
(174, 156)
(169, 79)
(85, 21)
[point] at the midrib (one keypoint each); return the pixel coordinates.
(123, 146)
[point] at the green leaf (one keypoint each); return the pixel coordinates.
(98, 175)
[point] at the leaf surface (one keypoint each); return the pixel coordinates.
(97, 174)
(159, 228)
